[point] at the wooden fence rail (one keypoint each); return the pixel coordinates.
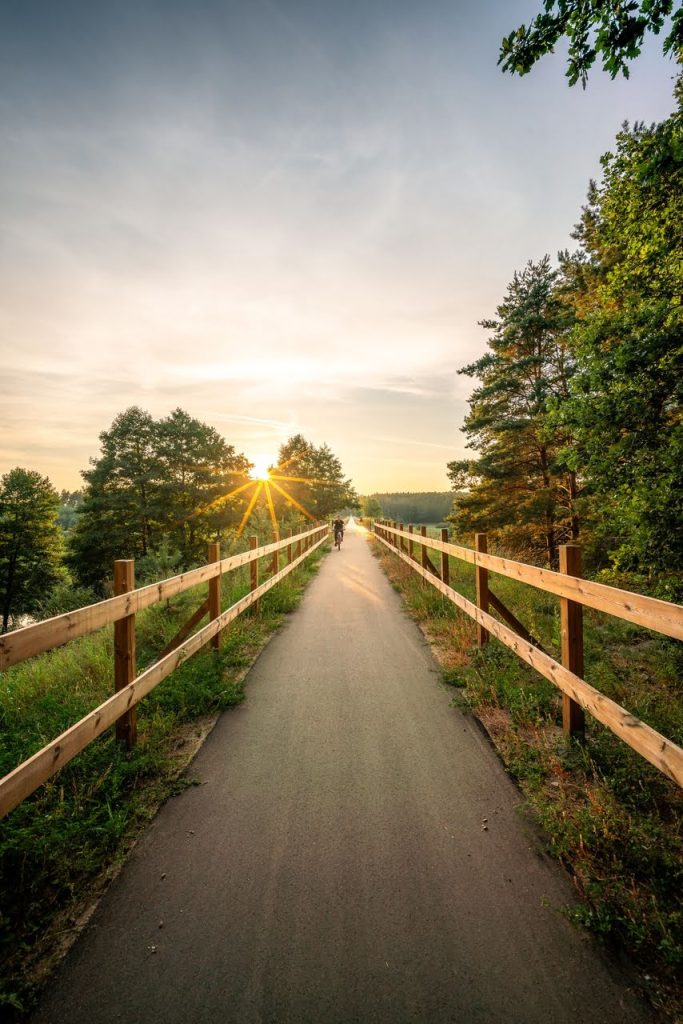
(29, 775)
(577, 693)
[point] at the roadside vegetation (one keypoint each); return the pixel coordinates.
(60, 848)
(613, 820)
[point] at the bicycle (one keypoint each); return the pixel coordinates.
(338, 538)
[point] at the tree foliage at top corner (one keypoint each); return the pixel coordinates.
(613, 30)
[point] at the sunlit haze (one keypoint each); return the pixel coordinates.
(283, 217)
(260, 469)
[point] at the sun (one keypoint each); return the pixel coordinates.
(260, 470)
(266, 483)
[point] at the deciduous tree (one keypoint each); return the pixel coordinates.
(611, 29)
(30, 543)
(314, 477)
(626, 402)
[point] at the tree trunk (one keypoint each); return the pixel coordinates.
(573, 491)
(7, 601)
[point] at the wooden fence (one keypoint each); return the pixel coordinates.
(120, 709)
(574, 592)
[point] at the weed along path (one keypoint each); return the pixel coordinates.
(354, 853)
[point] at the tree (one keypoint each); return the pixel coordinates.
(69, 503)
(370, 507)
(625, 408)
(314, 478)
(197, 471)
(157, 482)
(30, 543)
(121, 507)
(613, 29)
(517, 486)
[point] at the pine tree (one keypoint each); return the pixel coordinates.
(517, 486)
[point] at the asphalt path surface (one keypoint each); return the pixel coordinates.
(333, 866)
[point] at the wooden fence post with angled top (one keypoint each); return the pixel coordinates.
(215, 592)
(124, 652)
(253, 544)
(482, 578)
(571, 627)
(445, 568)
(275, 564)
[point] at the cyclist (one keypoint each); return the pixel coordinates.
(338, 528)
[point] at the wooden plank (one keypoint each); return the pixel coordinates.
(214, 555)
(183, 633)
(650, 744)
(513, 621)
(32, 773)
(432, 568)
(42, 636)
(124, 653)
(660, 616)
(482, 583)
(571, 631)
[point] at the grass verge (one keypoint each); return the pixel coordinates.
(60, 848)
(611, 818)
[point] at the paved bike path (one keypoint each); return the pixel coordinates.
(332, 868)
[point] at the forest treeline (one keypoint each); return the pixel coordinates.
(575, 421)
(408, 506)
(159, 492)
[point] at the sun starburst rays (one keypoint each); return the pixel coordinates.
(263, 480)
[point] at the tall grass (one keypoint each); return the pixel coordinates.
(57, 846)
(610, 816)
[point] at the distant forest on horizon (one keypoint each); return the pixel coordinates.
(413, 506)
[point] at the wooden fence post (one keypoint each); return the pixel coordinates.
(289, 546)
(571, 627)
(482, 578)
(253, 544)
(394, 539)
(124, 652)
(401, 526)
(298, 546)
(275, 563)
(411, 546)
(445, 567)
(423, 549)
(215, 592)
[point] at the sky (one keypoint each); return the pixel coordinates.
(282, 216)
